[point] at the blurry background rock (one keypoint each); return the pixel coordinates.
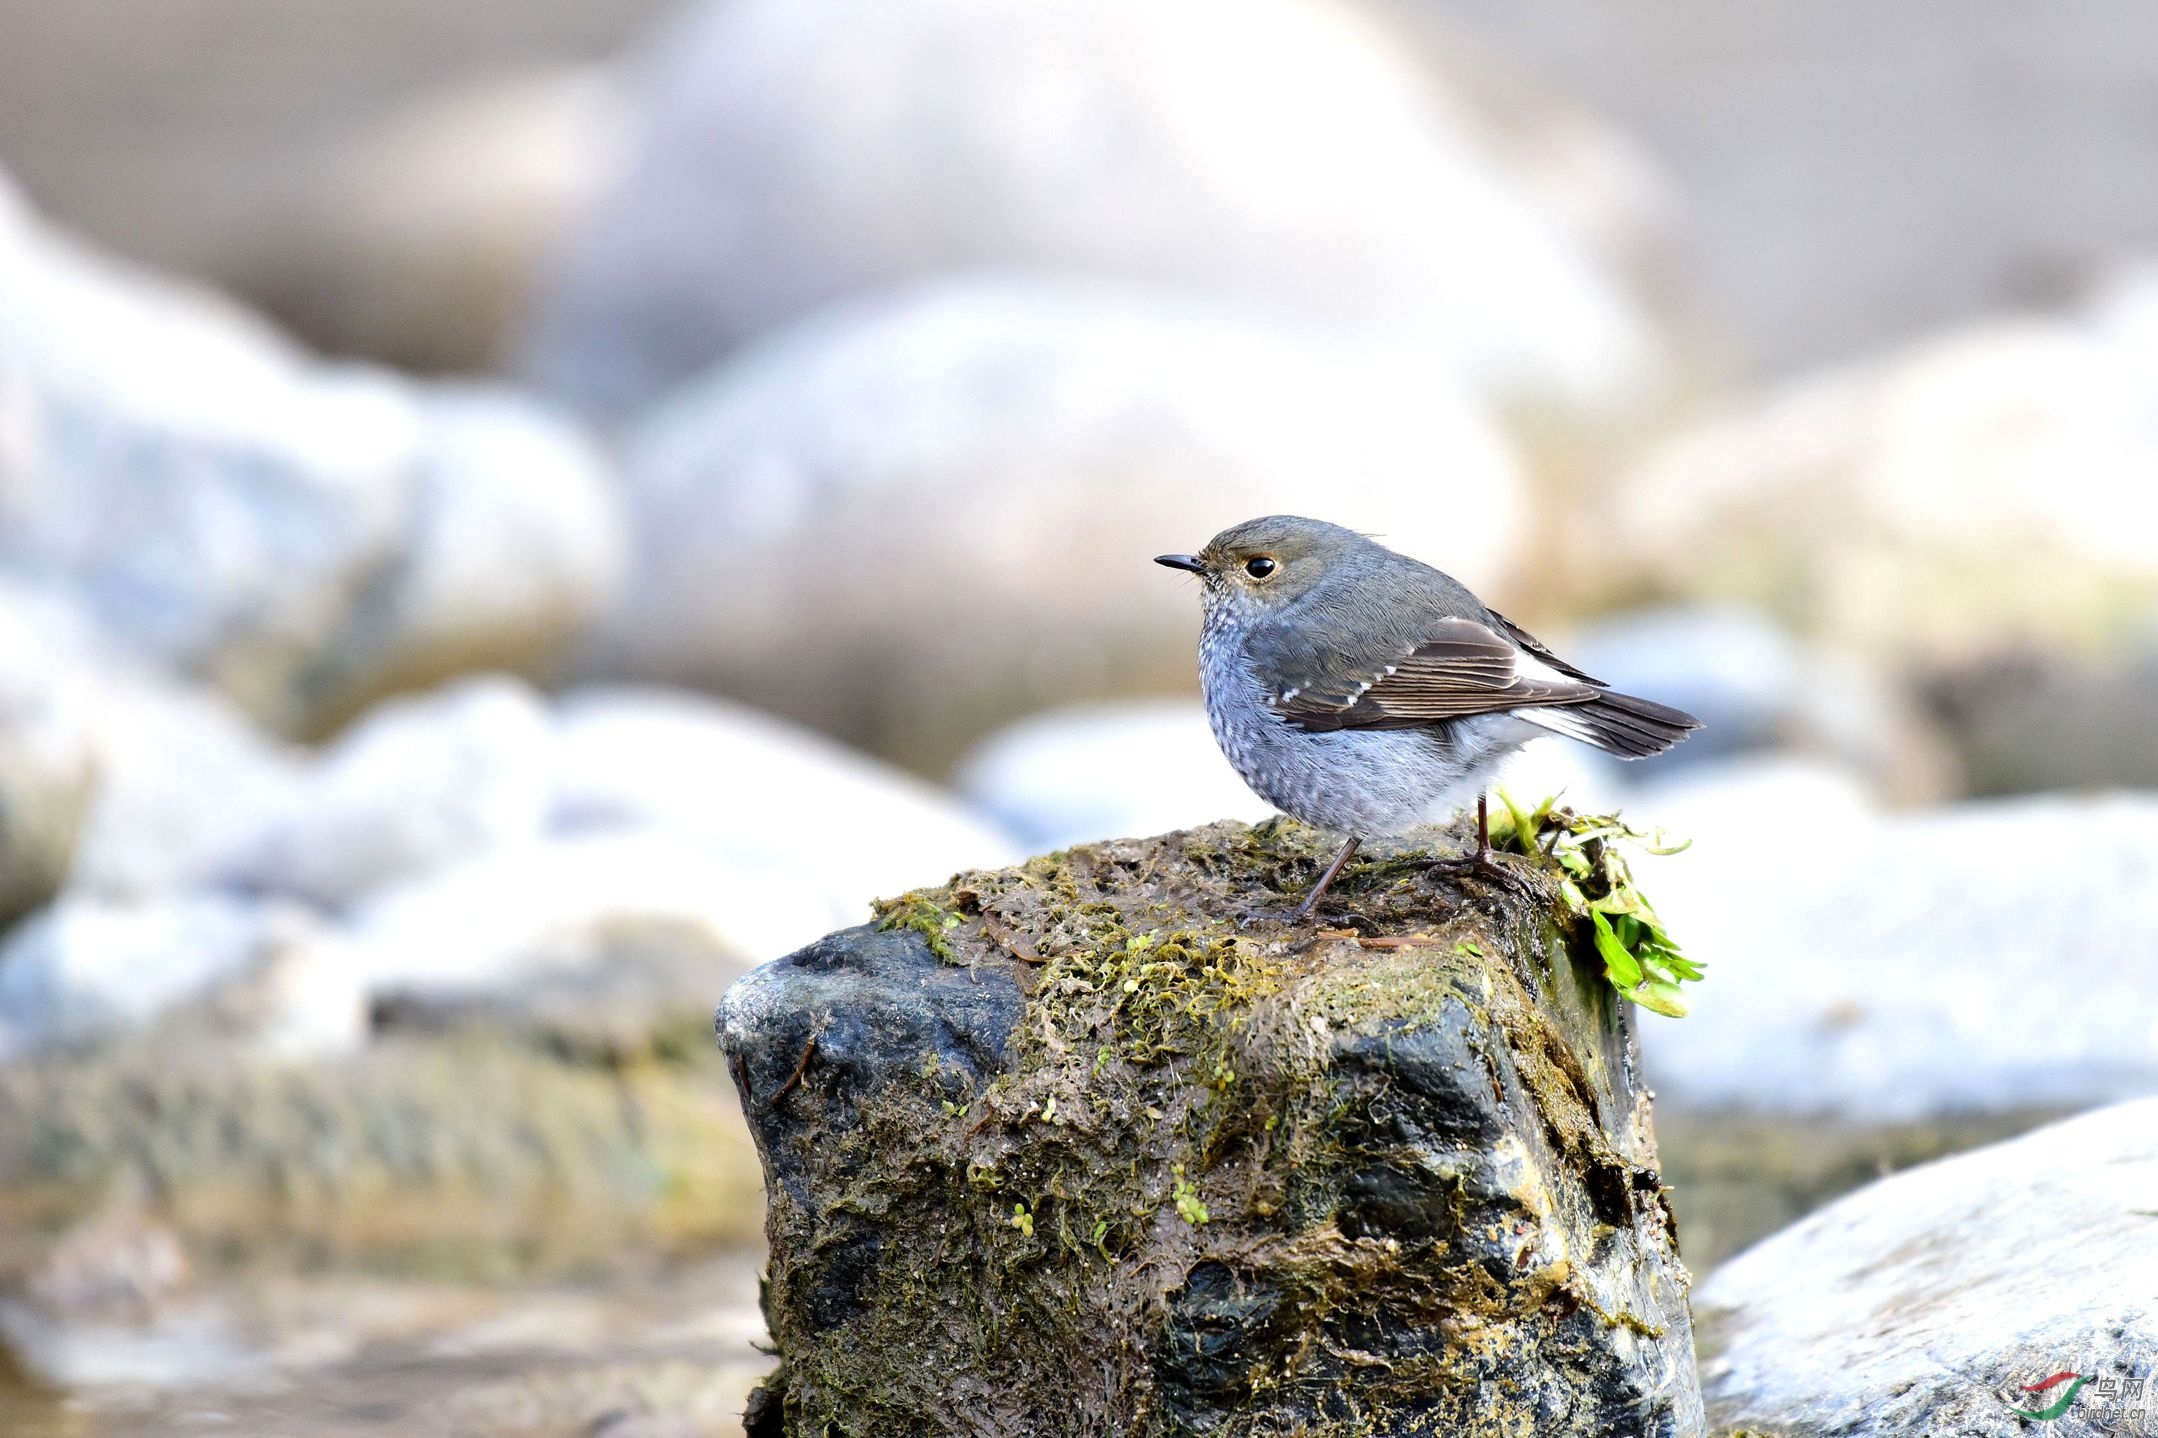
(1070, 775)
(304, 536)
(437, 219)
(1850, 173)
(1843, 175)
(224, 973)
(1987, 488)
(1889, 988)
(2026, 720)
(244, 118)
(119, 779)
(787, 154)
(917, 515)
(1757, 689)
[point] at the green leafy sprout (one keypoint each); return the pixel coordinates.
(1185, 1194)
(1641, 959)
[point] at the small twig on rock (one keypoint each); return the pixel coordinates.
(801, 1065)
(1007, 938)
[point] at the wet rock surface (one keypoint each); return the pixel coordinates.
(1932, 1301)
(1067, 1149)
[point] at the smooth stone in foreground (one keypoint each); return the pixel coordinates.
(1064, 1150)
(1930, 1301)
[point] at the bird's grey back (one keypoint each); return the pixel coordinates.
(1372, 606)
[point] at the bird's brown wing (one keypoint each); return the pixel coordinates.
(1463, 668)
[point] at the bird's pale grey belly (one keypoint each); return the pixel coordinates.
(1366, 782)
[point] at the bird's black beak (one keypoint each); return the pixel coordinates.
(1188, 562)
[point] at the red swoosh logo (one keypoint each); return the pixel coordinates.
(2041, 1387)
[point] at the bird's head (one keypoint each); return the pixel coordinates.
(1262, 564)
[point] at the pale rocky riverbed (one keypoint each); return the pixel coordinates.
(665, 1352)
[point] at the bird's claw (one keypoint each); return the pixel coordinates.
(1482, 865)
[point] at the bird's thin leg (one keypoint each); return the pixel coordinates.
(1333, 871)
(1484, 861)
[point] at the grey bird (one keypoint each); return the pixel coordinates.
(1359, 690)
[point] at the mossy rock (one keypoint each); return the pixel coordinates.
(1103, 1145)
(464, 1155)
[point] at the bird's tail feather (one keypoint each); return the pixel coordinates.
(1616, 723)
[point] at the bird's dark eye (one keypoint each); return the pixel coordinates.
(1260, 566)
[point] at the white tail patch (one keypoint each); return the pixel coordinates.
(1560, 719)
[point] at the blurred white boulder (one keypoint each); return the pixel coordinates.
(680, 840)
(1985, 489)
(1295, 154)
(267, 979)
(762, 794)
(1980, 959)
(48, 752)
(305, 536)
(586, 910)
(477, 838)
(908, 519)
(182, 776)
(417, 785)
(1106, 771)
(114, 778)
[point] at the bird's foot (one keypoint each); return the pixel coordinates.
(1483, 864)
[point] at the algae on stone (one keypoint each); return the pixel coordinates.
(472, 1154)
(1103, 1145)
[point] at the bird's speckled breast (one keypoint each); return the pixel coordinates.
(1366, 782)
